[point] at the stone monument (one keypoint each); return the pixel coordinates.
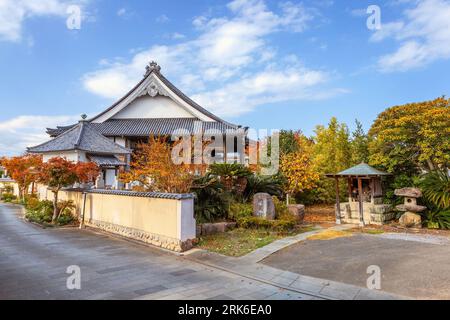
(263, 206)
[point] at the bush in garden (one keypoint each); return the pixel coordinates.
(436, 188)
(281, 225)
(42, 211)
(240, 210)
(8, 197)
(211, 199)
(31, 203)
(397, 182)
(281, 208)
(437, 219)
(233, 176)
(272, 185)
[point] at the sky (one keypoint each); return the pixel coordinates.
(259, 63)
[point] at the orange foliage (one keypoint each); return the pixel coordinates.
(23, 169)
(153, 168)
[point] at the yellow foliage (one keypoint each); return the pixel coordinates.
(414, 134)
(298, 169)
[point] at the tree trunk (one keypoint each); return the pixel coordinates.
(431, 165)
(55, 207)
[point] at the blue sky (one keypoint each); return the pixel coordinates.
(263, 64)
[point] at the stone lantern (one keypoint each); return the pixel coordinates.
(411, 217)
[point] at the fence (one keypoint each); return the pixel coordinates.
(161, 219)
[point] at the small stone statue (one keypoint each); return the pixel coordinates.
(410, 218)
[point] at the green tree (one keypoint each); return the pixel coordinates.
(331, 154)
(359, 145)
(412, 137)
(289, 141)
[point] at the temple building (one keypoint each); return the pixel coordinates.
(154, 107)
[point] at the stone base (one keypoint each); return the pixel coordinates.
(150, 238)
(410, 220)
(377, 214)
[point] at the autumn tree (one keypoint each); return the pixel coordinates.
(58, 173)
(23, 170)
(412, 137)
(153, 168)
(297, 167)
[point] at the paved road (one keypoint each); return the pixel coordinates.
(418, 267)
(34, 261)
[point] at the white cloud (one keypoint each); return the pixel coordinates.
(121, 12)
(162, 19)
(14, 12)
(423, 36)
(177, 36)
(264, 87)
(231, 67)
(124, 13)
(26, 131)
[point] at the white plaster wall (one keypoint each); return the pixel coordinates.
(121, 141)
(69, 155)
(149, 107)
(186, 228)
(110, 179)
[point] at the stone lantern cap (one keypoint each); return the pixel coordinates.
(408, 192)
(411, 207)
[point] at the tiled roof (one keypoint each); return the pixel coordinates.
(147, 127)
(158, 195)
(189, 101)
(362, 169)
(84, 137)
(106, 161)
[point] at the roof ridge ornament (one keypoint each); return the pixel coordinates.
(153, 89)
(152, 66)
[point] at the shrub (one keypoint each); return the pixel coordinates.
(66, 218)
(31, 203)
(240, 210)
(281, 208)
(8, 197)
(438, 219)
(272, 185)
(233, 176)
(211, 200)
(260, 223)
(436, 189)
(42, 211)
